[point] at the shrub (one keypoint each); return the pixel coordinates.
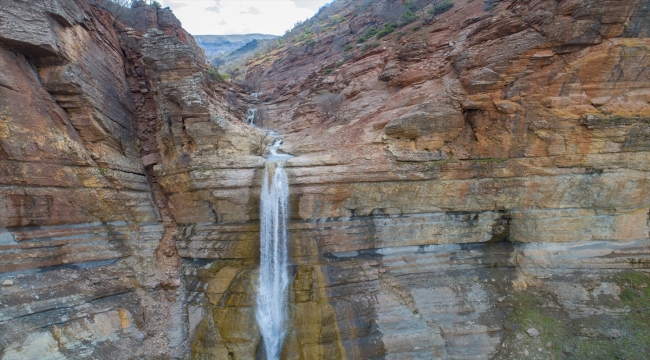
(367, 35)
(214, 74)
(387, 29)
(411, 6)
(372, 45)
(347, 48)
(156, 4)
(408, 17)
(307, 35)
(416, 28)
(443, 7)
(336, 19)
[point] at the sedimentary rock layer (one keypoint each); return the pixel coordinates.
(466, 168)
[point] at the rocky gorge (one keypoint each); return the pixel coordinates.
(456, 182)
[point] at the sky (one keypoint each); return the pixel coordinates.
(225, 17)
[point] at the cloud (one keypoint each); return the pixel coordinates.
(220, 17)
(310, 4)
(175, 4)
(216, 7)
(251, 10)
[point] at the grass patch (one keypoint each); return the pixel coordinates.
(621, 337)
(635, 290)
(347, 48)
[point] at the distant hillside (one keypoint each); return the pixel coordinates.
(215, 45)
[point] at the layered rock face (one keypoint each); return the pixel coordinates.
(467, 161)
(454, 183)
(93, 96)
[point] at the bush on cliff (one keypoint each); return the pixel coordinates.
(441, 8)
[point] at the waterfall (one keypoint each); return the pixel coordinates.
(250, 116)
(273, 276)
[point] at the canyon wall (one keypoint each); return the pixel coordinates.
(93, 97)
(456, 182)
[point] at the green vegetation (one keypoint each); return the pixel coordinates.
(636, 290)
(611, 337)
(367, 35)
(336, 19)
(416, 28)
(387, 29)
(307, 35)
(443, 7)
(215, 75)
(347, 48)
(102, 170)
(156, 4)
(411, 6)
(328, 71)
(372, 45)
(408, 17)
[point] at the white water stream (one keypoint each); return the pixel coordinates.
(250, 116)
(274, 277)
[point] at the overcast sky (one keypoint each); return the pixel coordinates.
(221, 17)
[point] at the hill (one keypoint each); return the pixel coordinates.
(216, 45)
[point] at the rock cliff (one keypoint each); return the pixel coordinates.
(457, 181)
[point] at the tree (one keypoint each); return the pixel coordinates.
(217, 62)
(233, 72)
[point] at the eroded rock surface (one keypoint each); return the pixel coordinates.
(477, 175)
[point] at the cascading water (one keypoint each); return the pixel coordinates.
(274, 276)
(250, 116)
